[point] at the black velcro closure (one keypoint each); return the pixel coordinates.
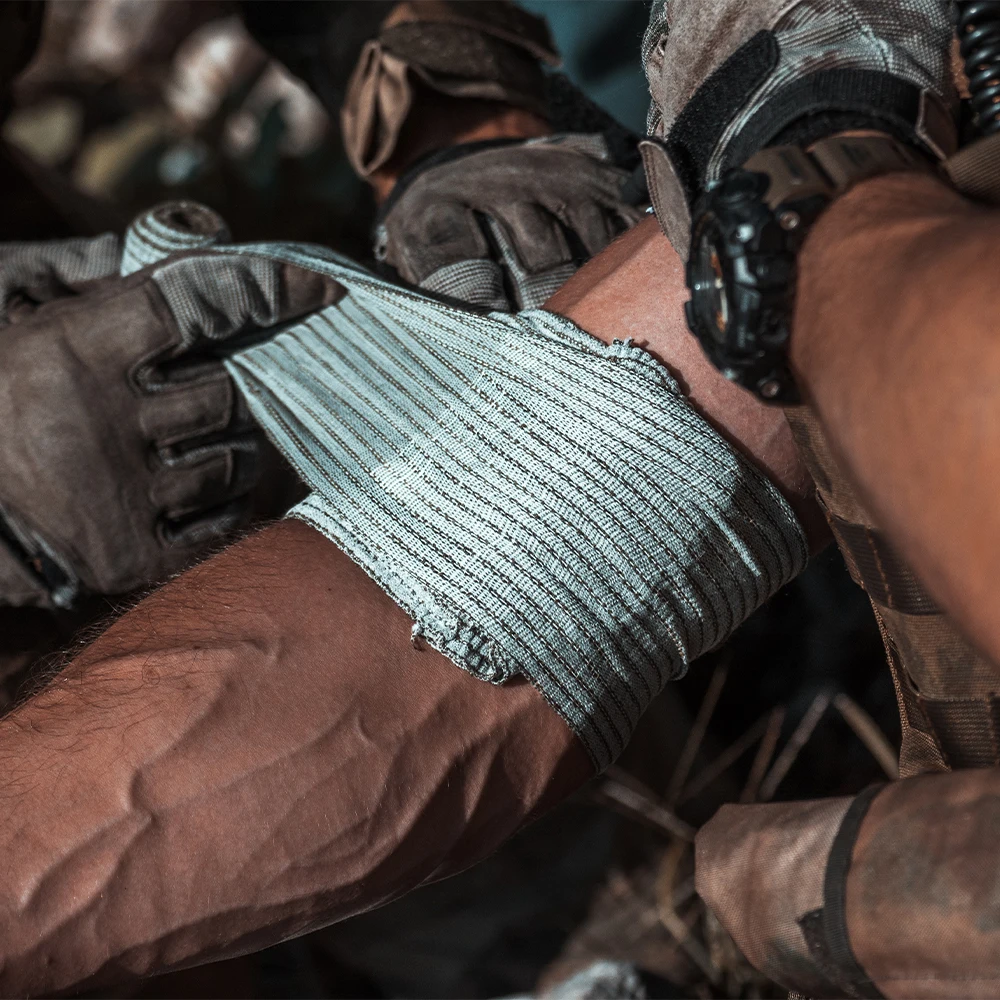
(811, 925)
(699, 127)
(828, 101)
(887, 580)
(850, 974)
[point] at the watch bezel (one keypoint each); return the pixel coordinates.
(756, 246)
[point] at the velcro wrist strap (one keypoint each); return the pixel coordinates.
(840, 100)
(826, 930)
(812, 70)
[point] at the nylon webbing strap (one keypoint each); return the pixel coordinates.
(919, 751)
(876, 567)
(975, 170)
(949, 712)
(952, 733)
(966, 729)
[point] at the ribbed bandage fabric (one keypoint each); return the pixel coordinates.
(169, 228)
(540, 503)
(45, 269)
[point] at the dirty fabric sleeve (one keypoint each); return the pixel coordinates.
(540, 503)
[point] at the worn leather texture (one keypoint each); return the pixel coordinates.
(490, 50)
(760, 868)
(126, 449)
(922, 899)
(505, 227)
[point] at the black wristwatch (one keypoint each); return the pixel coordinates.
(746, 234)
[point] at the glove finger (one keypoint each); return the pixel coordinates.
(594, 225)
(177, 413)
(214, 296)
(439, 234)
(38, 272)
(532, 289)
(203, 478)
(474, 282)
(533, 237)
(536, 289)
(204, 527)
(181, 489)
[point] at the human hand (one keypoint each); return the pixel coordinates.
(505, 227)
(728, 78)
(126, 447)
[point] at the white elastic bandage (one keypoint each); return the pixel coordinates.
(540, 503)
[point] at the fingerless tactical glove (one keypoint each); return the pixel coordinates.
(505, 226)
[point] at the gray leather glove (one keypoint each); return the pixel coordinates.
(728, 78)
(126, 447)
(505, 226)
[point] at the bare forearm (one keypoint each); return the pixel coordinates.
(636, 289)
(258, 749)
(255, 750)
(895, 341)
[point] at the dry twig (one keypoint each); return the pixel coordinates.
(867, 730)
(764, 755)
(725, 760)
(627, 795)
(666, 893)
(697, 733)
(798, 739)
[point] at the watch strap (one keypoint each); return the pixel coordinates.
(975, 170)
(832, 166)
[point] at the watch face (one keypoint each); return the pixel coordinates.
(709, 288)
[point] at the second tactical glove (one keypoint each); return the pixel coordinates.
(505, 226)
(728, 78)
(126, 447)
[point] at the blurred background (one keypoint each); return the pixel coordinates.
(135, 101)
(132, 102)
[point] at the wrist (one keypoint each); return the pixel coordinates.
(862, 240)
(439, 120)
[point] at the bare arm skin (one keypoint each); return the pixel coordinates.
(257, 749)
(636, 289)
(254, 750)
(896, 343)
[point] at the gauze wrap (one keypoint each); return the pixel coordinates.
(540, 503)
